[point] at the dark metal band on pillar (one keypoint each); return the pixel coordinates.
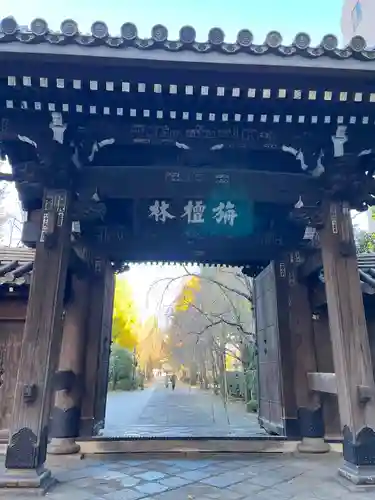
(68, 380)
(65, 421)
(311, 422)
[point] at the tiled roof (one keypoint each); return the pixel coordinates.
(39, 33)
(16, 265)
(366, 266)
(366, 269)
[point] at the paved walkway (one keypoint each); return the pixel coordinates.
(257, 478)
(187, 411)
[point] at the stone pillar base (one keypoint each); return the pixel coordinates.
(24, 481)
(64, 446)
(313, 445)
(358, 474)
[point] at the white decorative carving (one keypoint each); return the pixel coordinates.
(319, 169)
(181, 145)
(365, 152)
(98, 145)
(298, 154)
(58, 127)
(26, 139)
(339, 140)
(299, 203)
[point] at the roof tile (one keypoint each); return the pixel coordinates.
(39, 33)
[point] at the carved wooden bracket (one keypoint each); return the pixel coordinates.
(322, 382)
(365, 394)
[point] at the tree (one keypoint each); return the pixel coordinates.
(125, 322)
(212, 323)
(150, 348)
(121, 368)
(365, 241)
(10, 209)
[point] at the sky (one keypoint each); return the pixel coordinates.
(318, 18)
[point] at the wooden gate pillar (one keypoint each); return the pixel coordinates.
(309, 409)
(351, 349)
(98, 346)
(26, 452)
(68, 383)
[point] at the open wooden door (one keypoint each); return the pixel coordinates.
(99, 333)
(275, 367)
(104, 351)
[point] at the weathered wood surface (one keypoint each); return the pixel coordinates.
(105, 347)
(309, 410)
(65, 418)
(153, 244)
(351, 348)
(42, 337)
(11, 333)
(256, 136)
(322, 382)
(186, 182)
(277, 412)
(324, 356)
(13, 310)
(98, 341)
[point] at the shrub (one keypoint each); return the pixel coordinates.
(120, 368)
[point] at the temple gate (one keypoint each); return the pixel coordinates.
(214, 152)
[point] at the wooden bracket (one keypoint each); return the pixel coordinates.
(322, 382)
(365, 394)
(30, 393)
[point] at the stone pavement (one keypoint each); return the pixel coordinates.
(266, 477)
(185, 412)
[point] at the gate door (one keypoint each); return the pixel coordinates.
(104, 351)
(267, 308)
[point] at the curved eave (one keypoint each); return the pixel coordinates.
(243, 60)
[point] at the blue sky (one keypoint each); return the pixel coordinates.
(317, 17)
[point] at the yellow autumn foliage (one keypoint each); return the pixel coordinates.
(187, 294)
(125, 322)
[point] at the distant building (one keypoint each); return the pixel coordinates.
(358, 18)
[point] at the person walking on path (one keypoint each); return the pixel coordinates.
(167, 381)
(173, 381)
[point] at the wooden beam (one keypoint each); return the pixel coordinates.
(204, 135)
(351, 348)
(4, 177)
(184, 182)
(41, 341)
(322, 382)
(119, 243)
